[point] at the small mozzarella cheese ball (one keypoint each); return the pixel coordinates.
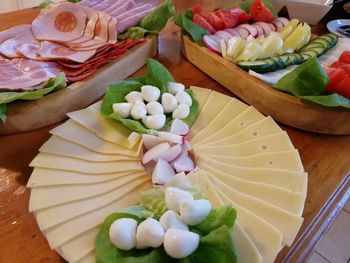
(122, 233)
(169, 102)
(122, 109)
(138, 110)
(184, 97)
(134, 96)
(154, 107)
(194, 212)
(155, 122)
(150, 93)
(181, 112)
(180, 243)
(149, 233)
(174, 196)
(170, 219)
(174, 87)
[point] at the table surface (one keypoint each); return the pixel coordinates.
(325, 158)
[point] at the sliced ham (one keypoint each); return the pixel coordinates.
(29, 50)
(60, 22)
(132, 20)
(13, 31)
(8, 48)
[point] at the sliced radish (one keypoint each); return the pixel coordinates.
(272, 26)
(187, 146)
(149, 167)
(279, 25)
(211, 44)
(149, 141)
(154, 152)
(223, 34)
(162, 173)
(233, 32)
(283, 20)
(244, 33)
(171, 154)
(171, 137)
(259, 29)
(183, 164)
(265, 27)
(179, 127)
(252, 30)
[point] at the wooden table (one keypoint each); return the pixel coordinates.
(325, 158)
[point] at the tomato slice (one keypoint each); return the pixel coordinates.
(260, 13)
(343, 88)
(229, 20)
(240, 15)
(201, 21)
(197, 9)
(335, 75)
(345, 57)
(215, 21)
(342, 65)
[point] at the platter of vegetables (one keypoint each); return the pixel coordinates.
(256, 55)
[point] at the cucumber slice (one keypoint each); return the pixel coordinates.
(310, 46)
(325, 43)
(287, 58)
(312, 53)
(319, 50)
(305, 57)
(279, 63)
(299, 59)
(260, 66)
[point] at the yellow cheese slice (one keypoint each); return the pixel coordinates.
(55, 215)
(232, 109)
(74, 132)
(270, 143)
(246, 118)
(286, 160)
(211, 108)
(66, 231)
(58, 146)
(294, 181)
(287, 223)
(261, 128)
(201, 95)
(89, 258)
(44, 197)
(50, 177)
(109, 130)
(45, 160)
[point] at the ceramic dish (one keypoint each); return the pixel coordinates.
(334, 24)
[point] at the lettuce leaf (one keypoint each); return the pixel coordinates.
(158, 75)
(3, 111)
(154, 200)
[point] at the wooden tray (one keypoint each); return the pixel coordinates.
(282, 107)
(29, 115)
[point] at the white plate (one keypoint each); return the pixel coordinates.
(334, 24)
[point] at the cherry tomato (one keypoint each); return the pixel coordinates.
(343, 88)
(240, 15)
(227, 18)
(335, 75)
(215, 21)
(259, 12)
(201, 21)
(342, 65)
(197, 9)
(345, 57)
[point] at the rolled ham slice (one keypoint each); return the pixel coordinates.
(89, 3)
(60, 22)
(134, 11)
(132, 19)
(127, 5)
(101, 6)
(114, 6)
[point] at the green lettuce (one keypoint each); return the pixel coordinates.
(154, 200)
(308, 82)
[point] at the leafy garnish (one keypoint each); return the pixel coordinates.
(158, 75)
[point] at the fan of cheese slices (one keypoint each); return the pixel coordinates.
(90, 168)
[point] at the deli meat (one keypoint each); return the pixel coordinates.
(8, 47)
(13, 31)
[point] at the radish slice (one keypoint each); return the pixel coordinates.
(244, 33)
(233, 32)
(252, 30)
(265, 27)
(162, 173)
(149, 141)
(259, 29)
(154, 152)
(183, 164)
(272, 26)
(279, 25)
(171, 137)
(223, 35)
(179, 127)
(171, 154)
(211, 44)
(283, 20)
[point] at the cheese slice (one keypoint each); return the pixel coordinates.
(45, 160)
(294, 181)
(62, 233)
(58, 146)
(211, 108)
(287, 223)
(201, 95)
(270, 143)
(74, 132)
(286, 160)
(44, 197)
(109, 130)
(55, 215)
(246, 118)
(50, 177)
(232, 109)
(89, 258)
(261, 128)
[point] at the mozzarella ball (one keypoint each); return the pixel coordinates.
(174, 87)
(194, 212)
(155, 122)
(149, 233)
(138, 110)
(122, 233)
(150, 93)
(133, 96)
(170, 219)
(181, 112)
(184, 97)
(180, 243)
(174, 196)
(154, 107)
(122, 109)
(169, 102)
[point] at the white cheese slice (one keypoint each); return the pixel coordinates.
(55, 215)
(246, 118)
(270, 143)
(44, 197)
(45, 160)
(294, 181)
(261, 128)
(232, 109)
(285, 160)
(74, 132)
(89, 258)
(201, 95)
(210, 109)
(58, 146)
(50, 177)
(62, 233)
(287, 223)
(109, 130)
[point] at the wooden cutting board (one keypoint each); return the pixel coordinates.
(29, 115)
(280, 106)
